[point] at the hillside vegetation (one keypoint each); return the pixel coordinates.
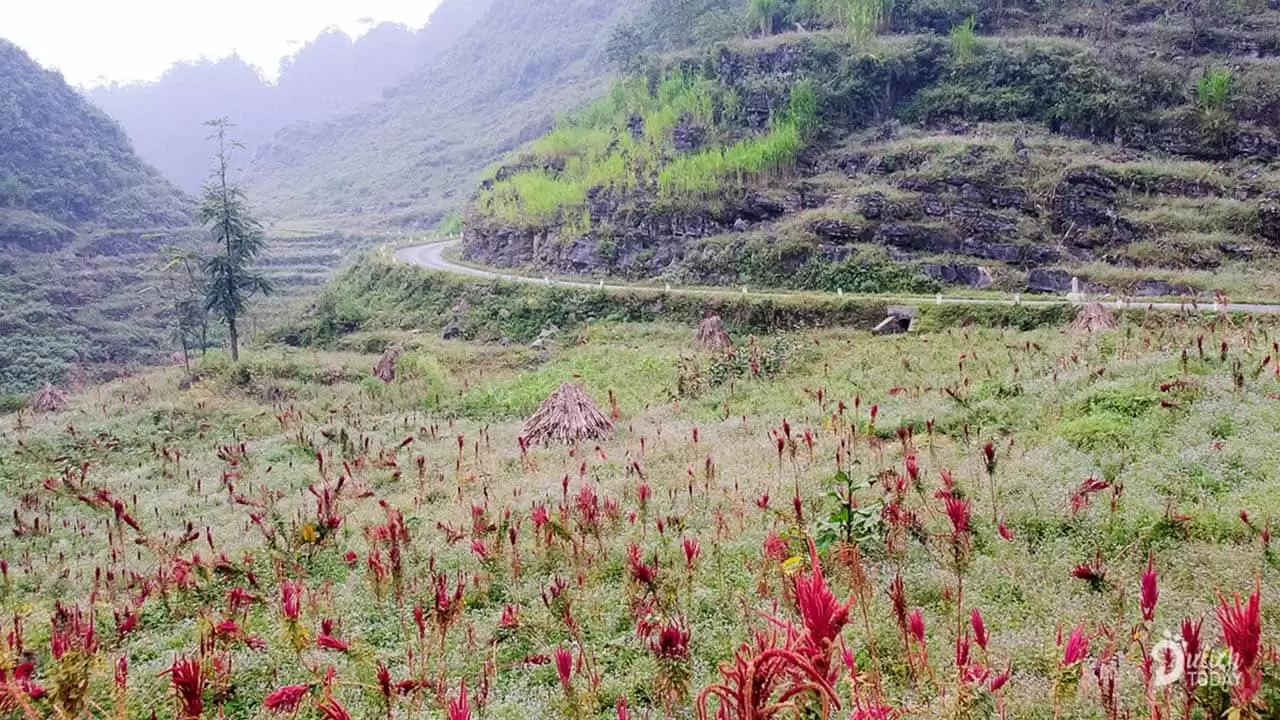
(935, 145)
(999, 518)
(80, 214)
(330, 75)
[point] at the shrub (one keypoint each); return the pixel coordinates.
(963, 40)
(1097, 433)
(12, 403)
(1213, 89)
(425, 370)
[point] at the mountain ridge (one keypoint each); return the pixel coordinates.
(410, 159)
(79, 214)
(330, 75)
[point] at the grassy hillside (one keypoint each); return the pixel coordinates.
(292, 533)
(413, 158)
(80, 216)
(1134, 148)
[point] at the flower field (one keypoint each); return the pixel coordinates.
(967, 523)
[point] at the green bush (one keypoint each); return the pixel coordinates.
(1097, 433)
(1123, 400)
(857, 276)
(426, 370)
(12, 403)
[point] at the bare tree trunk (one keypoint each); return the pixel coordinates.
(235, 338)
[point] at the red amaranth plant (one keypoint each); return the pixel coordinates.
(670, 647)
(460, 706)
(821, 614)
(1242, 633)
(763, 682)
(691, 552)
(186, 676)
(285, 700)
(564, 669)
(1070, 665)
(1092, 573)
(18, 691)
(643, 574)
(1150, 592)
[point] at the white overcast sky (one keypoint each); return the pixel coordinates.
(95, 41)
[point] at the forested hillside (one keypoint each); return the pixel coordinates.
(330, 75)
(77, 208)
(911, 146)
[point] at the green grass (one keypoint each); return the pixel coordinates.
(617, 141)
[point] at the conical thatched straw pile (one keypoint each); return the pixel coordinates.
(48, 399)
(385, 370)
(711, 334)
(568, 415)
(1094, 317)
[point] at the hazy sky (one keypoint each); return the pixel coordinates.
(94, 41)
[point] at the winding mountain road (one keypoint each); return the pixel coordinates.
(432, 257)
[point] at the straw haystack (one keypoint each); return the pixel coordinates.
(568, 415)
(1094, 317)
(48, 399)
(711, 334)
(385, 370)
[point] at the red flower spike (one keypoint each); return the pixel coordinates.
(999, 680)
(672, 642)
(979, 629)
(1242, 633)
(285, 700)
(958, 514)
(1191, 651)
(460, 707)
(1077, 647)
(564, 667)
(822, 615)
(915, 623)
(691, 551)
(1150, 590)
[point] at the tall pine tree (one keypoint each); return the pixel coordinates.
(231, 280)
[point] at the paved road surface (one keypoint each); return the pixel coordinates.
(432, 257)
